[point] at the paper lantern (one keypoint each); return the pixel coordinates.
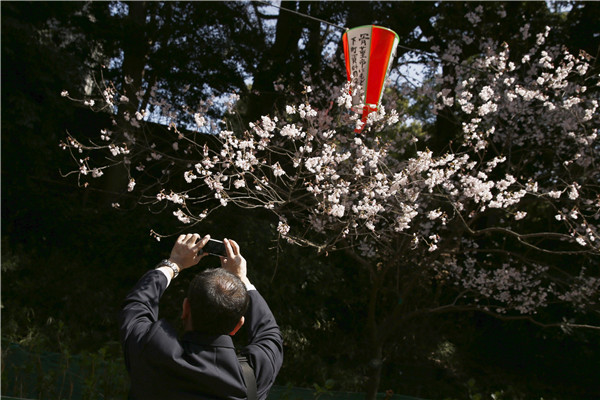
(369, 52)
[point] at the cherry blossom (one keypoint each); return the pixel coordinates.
(526, 149)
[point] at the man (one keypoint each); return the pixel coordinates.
(202, 364)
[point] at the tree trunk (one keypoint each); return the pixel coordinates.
(375, 344)
(274, 64)
(135, 50)
(446, 127)
(374, 370)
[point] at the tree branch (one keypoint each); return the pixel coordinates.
(453, 308)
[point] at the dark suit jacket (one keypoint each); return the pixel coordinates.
(163, 366)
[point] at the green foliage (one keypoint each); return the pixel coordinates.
(474, 392)
(63, 376)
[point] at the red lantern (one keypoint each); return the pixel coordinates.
(369, 52)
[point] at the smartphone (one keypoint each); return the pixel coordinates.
(215, 247)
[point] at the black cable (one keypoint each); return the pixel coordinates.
(301, 14)
(429, 53)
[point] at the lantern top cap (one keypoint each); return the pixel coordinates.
(372, 26)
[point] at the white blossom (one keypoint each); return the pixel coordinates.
(189, 176)
(435, 214)
(283, 228)
(573, 192)
(200, 120)
(486, 93)
(520, 215)
(182, 217)
(555, 194)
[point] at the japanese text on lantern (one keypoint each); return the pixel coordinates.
(353, 63)
(359, 56)
(363, 54)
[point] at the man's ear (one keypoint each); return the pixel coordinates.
(185, 309)
(238, 326)
(186, 315)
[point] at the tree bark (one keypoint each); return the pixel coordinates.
(375, 362)
(135, 50)
(274, 63)
(374, 370)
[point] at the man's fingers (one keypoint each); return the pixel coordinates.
(184, 239)
(235, 247)
(194, 239)
(228, 248)
(201, 243)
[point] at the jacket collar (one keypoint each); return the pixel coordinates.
(208, 340)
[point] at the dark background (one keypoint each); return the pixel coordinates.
(68, 257)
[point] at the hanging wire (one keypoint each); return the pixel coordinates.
(266, 3)
(428, 53)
